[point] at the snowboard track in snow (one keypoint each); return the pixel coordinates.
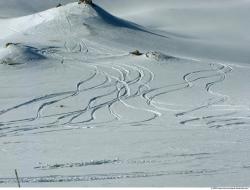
(118, 84)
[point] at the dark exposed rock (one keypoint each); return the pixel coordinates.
(59, 5)
(85, 1)
(10, 43)
(136, 52)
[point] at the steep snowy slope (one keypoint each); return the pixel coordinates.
(77, 109)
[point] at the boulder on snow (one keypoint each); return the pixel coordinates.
(59, 5)
(10, 43)
(85, 1)
(136, 52)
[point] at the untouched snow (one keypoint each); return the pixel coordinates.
(15, 8)
(77, 109)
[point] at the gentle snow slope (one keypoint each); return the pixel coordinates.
(77, 109)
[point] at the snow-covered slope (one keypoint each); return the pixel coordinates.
(15, 8)
(215, 29)
(78, 109)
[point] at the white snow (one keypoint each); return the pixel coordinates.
(78, 109)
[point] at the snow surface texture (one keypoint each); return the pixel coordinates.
(77, 109)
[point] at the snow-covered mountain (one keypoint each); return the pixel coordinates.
(80, 107)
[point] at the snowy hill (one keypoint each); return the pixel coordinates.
(17, 8)
(81, 107)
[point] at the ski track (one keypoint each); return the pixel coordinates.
(115, 85)
(121, 92)
(109, 176)
(128, 82)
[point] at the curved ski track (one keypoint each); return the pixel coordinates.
(130, 82)
(118, 84)
(113, 87)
